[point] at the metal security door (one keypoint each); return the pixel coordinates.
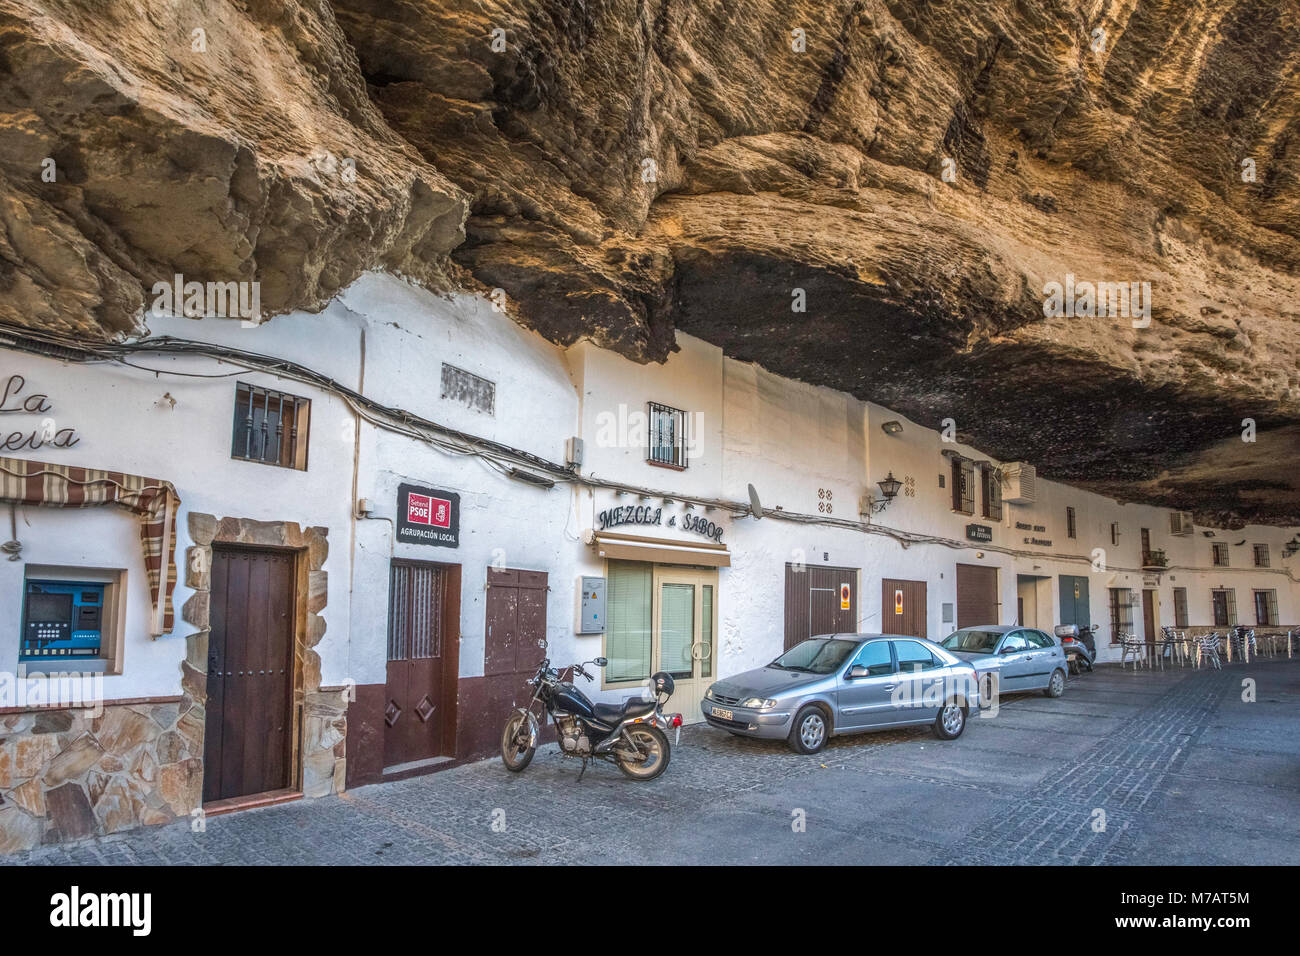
(1074, 600)
(977, 595)
(413, 715)
(250, 673)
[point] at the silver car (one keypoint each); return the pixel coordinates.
(843, 683)
(1023, 658)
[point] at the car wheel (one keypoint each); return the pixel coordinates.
(951, 721)
(1056, 686)
(810, 730)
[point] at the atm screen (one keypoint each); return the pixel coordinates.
(49, 607)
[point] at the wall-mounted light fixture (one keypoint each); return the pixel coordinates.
(888, 492)
(892, 427)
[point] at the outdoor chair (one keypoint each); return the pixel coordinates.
(1207, 648)
(1133, 648)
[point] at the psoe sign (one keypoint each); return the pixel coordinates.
(427, 516)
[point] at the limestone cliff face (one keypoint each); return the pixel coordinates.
(921, 170)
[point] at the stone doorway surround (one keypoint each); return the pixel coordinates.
(318, 739)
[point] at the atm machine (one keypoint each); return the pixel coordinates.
(62, 619)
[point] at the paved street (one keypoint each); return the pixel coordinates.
(1185, 771)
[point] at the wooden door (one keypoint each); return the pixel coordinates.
(685, 621)
(516, 621)
(415, 710)
(1149, 615)
(909, 616)
(249, 718)
(815, 602)
(977, 595)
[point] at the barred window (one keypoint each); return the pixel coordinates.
(992, 483)
(1224, 603)
(1261, 556)
(963, 486)
(1266, 607)
(1069, 523)
(1219, 554)
(270, 427)
(1121, 613)
(667, 436)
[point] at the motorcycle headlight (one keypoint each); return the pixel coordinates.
(757, 703)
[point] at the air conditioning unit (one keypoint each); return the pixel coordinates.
(1180, 522)
(1018, 482)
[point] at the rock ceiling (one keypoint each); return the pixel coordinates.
(913, 173)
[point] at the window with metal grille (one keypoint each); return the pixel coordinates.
(1180, 607)
(1224, 603)
(963, 486)
(1219, 554)
(1069, 523)
(1261, 555)
(469, 389)
(992, 488)
(1121, 613)
(414, 612)
(667, 444)
(270, 427)
(1114, 533)
(1266, 607)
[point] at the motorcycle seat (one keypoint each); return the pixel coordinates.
(632, 707)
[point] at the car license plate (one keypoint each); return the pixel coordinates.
(724, 714)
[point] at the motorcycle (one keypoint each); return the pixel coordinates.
(633, 734)
(1080, 642)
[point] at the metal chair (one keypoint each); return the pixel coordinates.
(1131, 647)
(1207, 648)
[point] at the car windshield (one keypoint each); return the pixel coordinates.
(972, 641)
(817, 656)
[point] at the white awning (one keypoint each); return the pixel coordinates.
(628, 547)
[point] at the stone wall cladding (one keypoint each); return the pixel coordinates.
(67, 774)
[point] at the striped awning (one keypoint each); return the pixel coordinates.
(155, 501)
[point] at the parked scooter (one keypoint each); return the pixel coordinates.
(1080, 642)
(633, 734)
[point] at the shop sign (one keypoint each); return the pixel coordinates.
(652, 515)
(13, 401)
(427, 516)
(979, 532)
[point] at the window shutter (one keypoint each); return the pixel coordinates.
(628, 619)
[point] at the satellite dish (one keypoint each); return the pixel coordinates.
(755, 506)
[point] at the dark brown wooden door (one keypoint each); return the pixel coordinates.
(1149, 616)
(815, 602)
(911, 619)
(516, 621)
(415, 711)
(250, 673)
(977, 595)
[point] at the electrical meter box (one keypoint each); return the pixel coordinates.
(62, 619)
(591, 606)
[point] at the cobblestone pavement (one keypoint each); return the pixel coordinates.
(1184, 769)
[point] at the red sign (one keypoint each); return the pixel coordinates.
(898, 600)
(845, 597)
(423, 509)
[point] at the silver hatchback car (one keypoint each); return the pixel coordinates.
(1023, 658)
(843, 683)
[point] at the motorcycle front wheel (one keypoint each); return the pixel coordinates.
(516, 752)
(649, 759)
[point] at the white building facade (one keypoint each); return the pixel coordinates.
(382, 512)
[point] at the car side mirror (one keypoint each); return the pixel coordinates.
(601, 661)
(856, 671)
(1008, 650)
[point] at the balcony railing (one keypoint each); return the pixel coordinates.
(1154, 560)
